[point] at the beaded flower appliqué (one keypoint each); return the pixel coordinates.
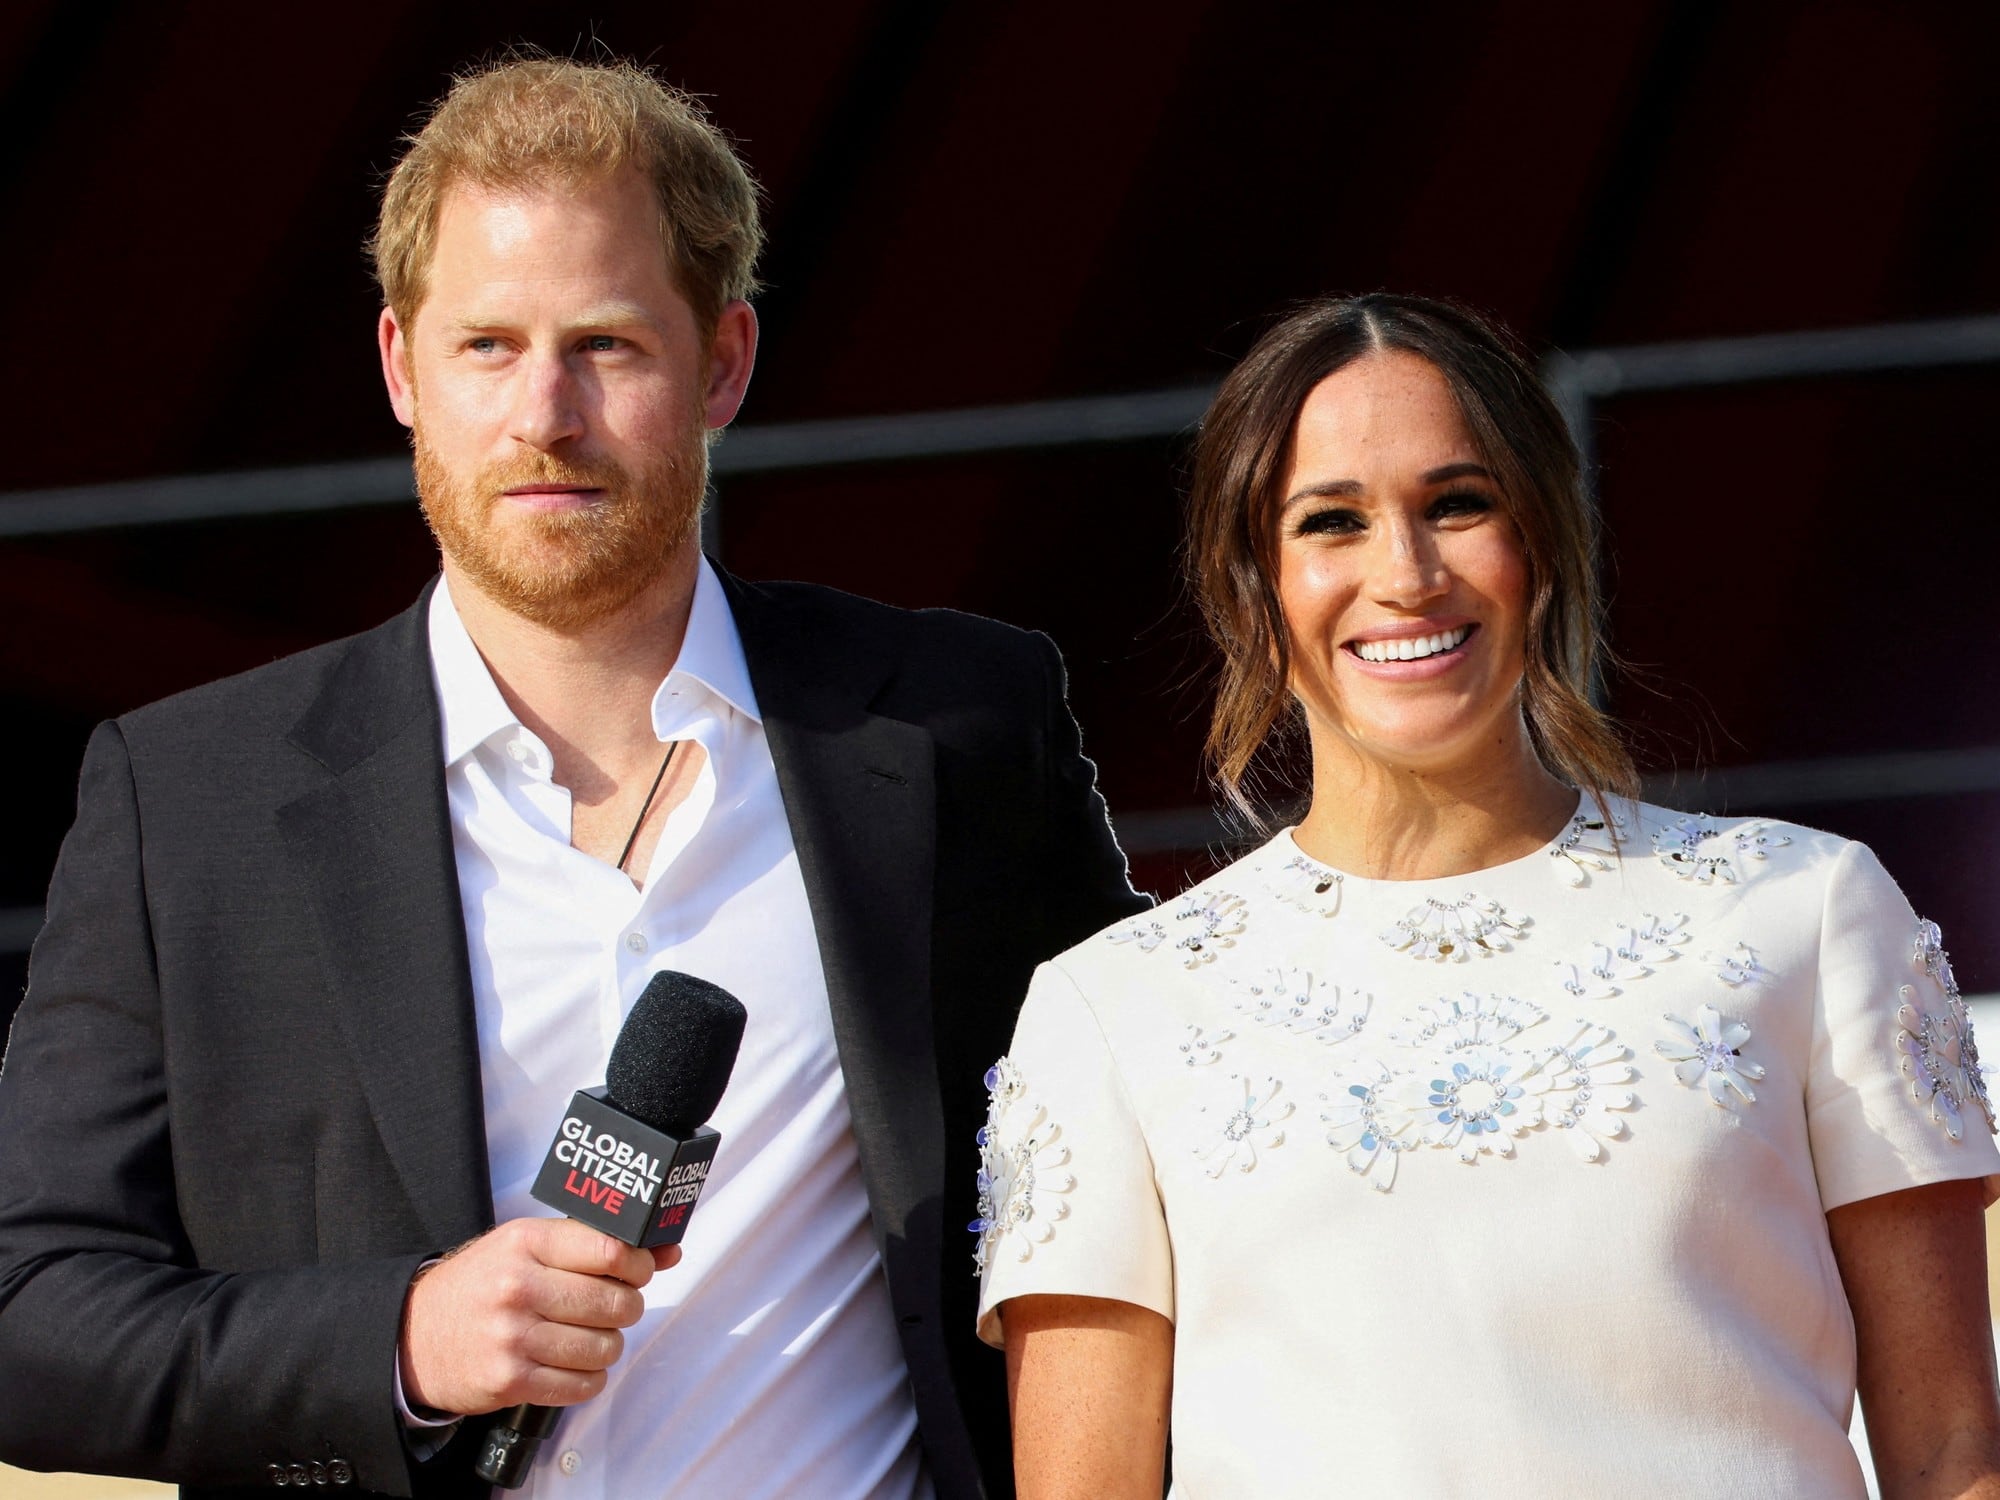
(1695, 849)
(1481, 1082)
(1307, 884)
(1293, 1001)
(1588, 844)
(1202, 926)
(1248, 1117)
(1709, 1051)
(1021, 1176)
(1632, 954)
(1452, 931)
(1940, 1057)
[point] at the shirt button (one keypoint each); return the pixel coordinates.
(636, 941)
(518, 752)
(570, 1461)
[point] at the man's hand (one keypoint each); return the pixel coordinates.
(528, 1312)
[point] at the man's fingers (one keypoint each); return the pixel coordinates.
(549, 1386)
(666, 1257)
(587, 1301)
(563, 1347)
(569, 1246)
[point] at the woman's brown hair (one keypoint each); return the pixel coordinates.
(1232, 547)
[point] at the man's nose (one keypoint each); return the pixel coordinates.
(547, 407)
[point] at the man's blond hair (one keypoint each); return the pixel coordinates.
(537, 121)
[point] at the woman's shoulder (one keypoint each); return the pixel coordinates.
(1185, 935)
(1727, 849)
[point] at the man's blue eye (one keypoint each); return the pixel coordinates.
(602, 343)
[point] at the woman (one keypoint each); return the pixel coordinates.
(1488, 1132)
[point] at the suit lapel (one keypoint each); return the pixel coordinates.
(860, 794)
(372, 847)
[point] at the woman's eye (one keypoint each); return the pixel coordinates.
(1461, 503)
(1331, 522)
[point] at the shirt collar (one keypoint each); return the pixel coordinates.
(473, 712)
(711, 652)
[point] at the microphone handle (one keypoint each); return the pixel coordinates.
(511, 1444)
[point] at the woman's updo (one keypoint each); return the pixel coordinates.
(1232, 545)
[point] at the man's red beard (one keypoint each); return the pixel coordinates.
(564, 568)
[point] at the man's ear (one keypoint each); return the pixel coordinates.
(731, 355)
(396, 368)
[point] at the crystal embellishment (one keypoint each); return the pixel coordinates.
(1588, 845)
(1708, 1052)
(1212, 923)
(1633, 954)
(1940, 1058)
(1291, 1000)
(1247, 1118)
(1452, 931)
(1695, 849)
(1022, 1181)
(1312, 887)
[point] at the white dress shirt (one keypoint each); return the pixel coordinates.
(767, 1362)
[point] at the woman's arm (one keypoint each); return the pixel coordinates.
(1088, 1381)
(1914, 1265)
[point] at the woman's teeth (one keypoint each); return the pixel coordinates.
(1413, 649)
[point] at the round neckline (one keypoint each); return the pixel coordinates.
(1286, 838)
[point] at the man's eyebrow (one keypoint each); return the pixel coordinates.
(604, 315)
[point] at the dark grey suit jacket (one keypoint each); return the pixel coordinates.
(241, 1101)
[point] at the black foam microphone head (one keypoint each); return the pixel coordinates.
(674, 1054)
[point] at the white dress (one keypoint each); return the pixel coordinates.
(1509, 1183)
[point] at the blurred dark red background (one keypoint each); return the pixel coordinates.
(975, 204)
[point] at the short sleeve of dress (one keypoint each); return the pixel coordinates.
(1067, 1201)
(1895, 1097)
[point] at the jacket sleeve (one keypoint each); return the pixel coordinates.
(1088, 883)
(120, 1355)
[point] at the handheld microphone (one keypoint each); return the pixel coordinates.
(630, 1158)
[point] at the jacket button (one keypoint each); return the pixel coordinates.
(317, 1470)
(298, 1475)
(339, 1471)
(277, 1474)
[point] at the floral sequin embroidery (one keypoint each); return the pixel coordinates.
(1940, 1058)
(1695, 849)
(1199, 1049)
(1633, 954)
(1452, 931)
(1708, 1052)
(1215, 922)
(1021, 1176)
(1738, 966)
(1587, 845)
(1581, 1075)
(1293, 1001)
(1368, 1126)
(1142, 933)
(1481, 1083)
(1470, 1021)
(1307, 884)
(1247, 1118)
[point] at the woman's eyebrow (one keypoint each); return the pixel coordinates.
(1324, 489)
(1448, 472)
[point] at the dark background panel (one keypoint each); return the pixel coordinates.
(974, 204)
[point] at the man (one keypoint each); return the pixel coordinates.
(331, 943)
